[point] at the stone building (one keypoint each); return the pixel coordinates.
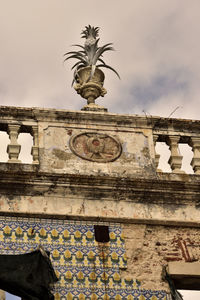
(94, 198)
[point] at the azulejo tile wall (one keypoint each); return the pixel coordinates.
(87, 270)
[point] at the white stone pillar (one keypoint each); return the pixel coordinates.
(35, 148)
(13, 148)
(195, 163)
(175, 159)
(157, 156)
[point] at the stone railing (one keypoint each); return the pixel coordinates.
(13, 130)
(51, 132)
(175, 160)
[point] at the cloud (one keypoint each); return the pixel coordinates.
(158, 87)
(157, 53)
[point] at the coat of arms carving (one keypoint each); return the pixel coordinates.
(95, 147)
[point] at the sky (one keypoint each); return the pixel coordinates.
(157, 54)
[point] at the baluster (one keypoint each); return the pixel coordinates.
(13, 148)
(157, 156)
(195, 163)
(175, 159)
(35, 148)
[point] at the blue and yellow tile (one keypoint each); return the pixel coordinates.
(86, 270)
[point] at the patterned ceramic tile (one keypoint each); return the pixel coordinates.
(86, 269)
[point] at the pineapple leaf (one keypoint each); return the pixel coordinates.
(101, 50)
(78, 53)
(102, 61)
(82, 59)
(93, 68)
(78, 64)
(109, 67)
(77, 45)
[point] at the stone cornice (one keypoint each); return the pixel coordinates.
(173, 189)
(54, 115)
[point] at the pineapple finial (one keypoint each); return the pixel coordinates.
(88, 75)
(90, 32)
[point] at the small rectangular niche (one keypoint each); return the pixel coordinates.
(101, 233)
(186, 276)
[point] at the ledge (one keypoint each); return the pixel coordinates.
(110, 119)
(100, 198)
(26, 179)
(185, 275)
(18, 168)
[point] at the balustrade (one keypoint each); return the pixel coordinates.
(14, 148)
(175, 160)
(172, 132)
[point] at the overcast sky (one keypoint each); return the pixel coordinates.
(157, 54)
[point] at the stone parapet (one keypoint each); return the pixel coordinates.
(52, 131)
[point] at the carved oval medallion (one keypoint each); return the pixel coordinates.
(95, 146)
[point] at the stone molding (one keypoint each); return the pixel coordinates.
(157, 124)
(140, 198)
(182, 186)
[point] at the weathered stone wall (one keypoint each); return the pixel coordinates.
(149, 248)
(57, 156)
